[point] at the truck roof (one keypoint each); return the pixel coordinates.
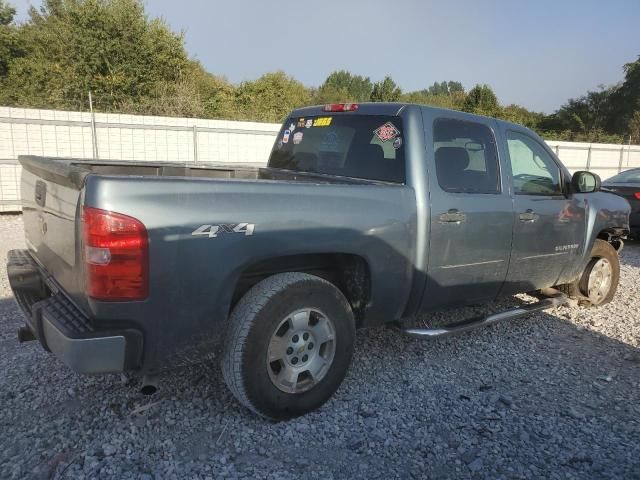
(387, 108)
(368, 108)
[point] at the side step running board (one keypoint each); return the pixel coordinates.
(467, 325)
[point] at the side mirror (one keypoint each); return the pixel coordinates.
(585, 182)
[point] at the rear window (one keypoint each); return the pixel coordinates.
(361, 146)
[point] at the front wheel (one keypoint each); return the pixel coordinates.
(599, 281)
(288, 346)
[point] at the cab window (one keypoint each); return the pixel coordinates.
(351, 145)
(534, 170)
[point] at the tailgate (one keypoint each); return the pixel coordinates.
(51, 192)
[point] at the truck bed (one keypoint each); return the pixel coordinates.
(295, 214)
(73, 171)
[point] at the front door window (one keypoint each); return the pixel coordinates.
(534, 171)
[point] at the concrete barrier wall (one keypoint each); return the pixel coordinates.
(123, 137)
(605, 159)
(147, 138)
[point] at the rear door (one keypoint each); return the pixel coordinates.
(549, 223)
(471, 217)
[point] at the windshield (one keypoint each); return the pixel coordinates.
(361, 146)
(630, 176)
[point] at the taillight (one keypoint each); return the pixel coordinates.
(116, 255)
(340, 107)
(637, 195)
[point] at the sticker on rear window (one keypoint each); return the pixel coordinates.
(297, 138)
(397, 143)
(322, 122)
(308, 123)
(292, 127)
(386, 132)
(301, 123)
(285, 137)
(331, 138)
(331, 142)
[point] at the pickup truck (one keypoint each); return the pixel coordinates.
(366, 214)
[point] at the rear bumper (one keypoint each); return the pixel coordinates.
(63, 329)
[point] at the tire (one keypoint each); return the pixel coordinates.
(262, 325)
(601, 252)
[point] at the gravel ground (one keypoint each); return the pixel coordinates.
(555, 395)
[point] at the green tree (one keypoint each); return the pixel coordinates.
(216, 93)
(7, 13)
(109, 47)
(482, 101)
(438, 89)
(593, 136)
(625, 99)
(270, 98)
(453, 101)
(197, 94)
(604, 115)
(455, 87)
(446, 94)
(9, 42)
(634, 128)
(445, 88)
(587, 113)
(133, 63)
(386, 91)
(518, 114)
(342, 86)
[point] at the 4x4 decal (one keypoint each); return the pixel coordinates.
(213, 231)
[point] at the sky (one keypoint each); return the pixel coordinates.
(536, 53)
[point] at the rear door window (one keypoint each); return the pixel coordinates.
(361, 146)
(466, 157)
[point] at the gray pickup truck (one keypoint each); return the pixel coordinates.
(365, 215)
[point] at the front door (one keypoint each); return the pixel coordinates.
(471, 214)
(549, 223)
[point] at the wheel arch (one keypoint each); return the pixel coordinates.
(613, 236)
(350, 273)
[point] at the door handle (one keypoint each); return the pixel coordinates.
(453, 215)
(529, 216)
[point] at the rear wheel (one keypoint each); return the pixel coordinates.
(288, 345)
(598, 282)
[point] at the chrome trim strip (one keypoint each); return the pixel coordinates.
(472, 264)
(544, 255)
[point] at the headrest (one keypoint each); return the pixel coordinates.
(452, 158)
